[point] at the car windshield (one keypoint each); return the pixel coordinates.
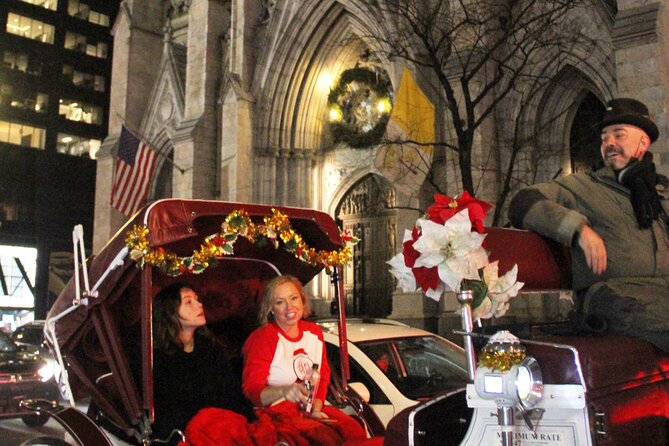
(419, 366)
(6, 344)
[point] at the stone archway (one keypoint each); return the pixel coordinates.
(368, 210)
(584, 137)
(163, 177)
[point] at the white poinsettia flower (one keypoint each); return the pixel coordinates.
(453, 248)
(403, 274)
(435, 294)
(405, 278)
(484, 310)
(501, 289)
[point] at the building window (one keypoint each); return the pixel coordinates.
(76, 111)
(86, 45)
(77, 145)
(82, 11)
(84, 80)
(9, 96)
(29, 28)
(17, 261)
(22, 62)
(46, 4)
(99, 19)
(22, 135)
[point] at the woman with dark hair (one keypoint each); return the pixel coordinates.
(285, 349)
(190, 369)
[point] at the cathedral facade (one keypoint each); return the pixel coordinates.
(233, 94)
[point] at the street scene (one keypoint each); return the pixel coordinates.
(334, 222)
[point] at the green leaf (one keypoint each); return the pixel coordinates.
(479, 290)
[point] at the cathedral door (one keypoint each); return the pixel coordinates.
(368, 211)
(585, 138)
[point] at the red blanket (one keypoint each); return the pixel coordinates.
(283, 422)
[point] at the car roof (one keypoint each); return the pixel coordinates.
(362, 330)
(36, 323)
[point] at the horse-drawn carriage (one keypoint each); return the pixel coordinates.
(595, 390)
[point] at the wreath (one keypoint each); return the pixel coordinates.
(359, 106)
(275, 230)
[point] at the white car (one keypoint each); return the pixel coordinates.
(399, 365)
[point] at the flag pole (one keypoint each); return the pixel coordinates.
(141, 137)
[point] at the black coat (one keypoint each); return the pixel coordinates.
(184, 383)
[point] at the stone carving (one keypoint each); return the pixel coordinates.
(391, 229)
(371, 196)
(269, 6)
(177, 8)
(165, 108)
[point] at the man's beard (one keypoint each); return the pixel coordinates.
(611, 162)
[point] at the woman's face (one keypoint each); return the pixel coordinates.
(190, 311)
(288, 307)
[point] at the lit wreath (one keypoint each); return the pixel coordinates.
(359, 106)
(275, 229)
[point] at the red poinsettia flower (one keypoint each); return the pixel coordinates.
(445, 207)
(410, 254)
(426, 278)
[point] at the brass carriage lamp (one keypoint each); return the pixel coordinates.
(508, 376)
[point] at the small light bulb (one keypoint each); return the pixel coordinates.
(335, 114)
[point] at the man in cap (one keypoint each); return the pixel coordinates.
(615, 221)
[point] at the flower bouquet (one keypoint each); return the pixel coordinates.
(445, 251)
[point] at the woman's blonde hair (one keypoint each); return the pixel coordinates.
(265, 313)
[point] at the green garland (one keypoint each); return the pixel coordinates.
(379, 84)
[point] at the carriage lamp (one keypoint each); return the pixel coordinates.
(508, 376)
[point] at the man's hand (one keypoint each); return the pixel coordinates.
(594, 249)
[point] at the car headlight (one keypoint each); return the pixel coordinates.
(46, 372)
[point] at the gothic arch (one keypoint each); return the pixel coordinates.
(344, 186)
(293, 87)
(161, 185)
(555, 117)
(163, 114)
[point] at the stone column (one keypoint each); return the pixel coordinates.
(640, 39)
(195, 140)
(298, 180)
(283, 184)
(237, 160)
(138, 43)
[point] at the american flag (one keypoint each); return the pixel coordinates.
(135, 164)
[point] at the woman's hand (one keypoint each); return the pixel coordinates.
(296, 393)
(317, 414)
(316, 410)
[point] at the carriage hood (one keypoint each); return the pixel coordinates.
(100, 339)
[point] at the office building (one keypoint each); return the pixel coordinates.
(55, 65)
